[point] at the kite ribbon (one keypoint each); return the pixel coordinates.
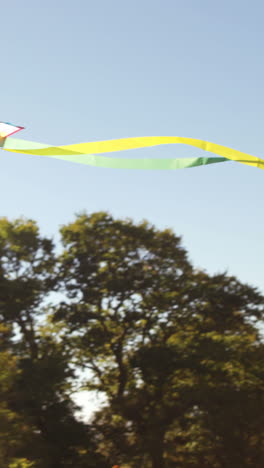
(22, 146)
(85, 152)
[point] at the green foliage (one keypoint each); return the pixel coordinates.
(21, 463)
(37, 421)
(168, 345)
(177, 353)
(14, 431)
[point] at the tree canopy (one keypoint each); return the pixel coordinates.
(177, 353)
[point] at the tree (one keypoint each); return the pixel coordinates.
(26, 277)
(177, 353)
(14, 431)
(42, 379)
(172, 348)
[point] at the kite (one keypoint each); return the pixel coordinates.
(87, 153)
(7, 129)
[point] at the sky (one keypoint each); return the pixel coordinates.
(92, 70)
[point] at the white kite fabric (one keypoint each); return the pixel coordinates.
(7, 129)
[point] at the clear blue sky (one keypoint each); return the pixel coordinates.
(90, 70)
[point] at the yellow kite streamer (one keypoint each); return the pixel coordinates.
(122, 144)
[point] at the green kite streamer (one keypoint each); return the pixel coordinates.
(86, 153)
(22, 146)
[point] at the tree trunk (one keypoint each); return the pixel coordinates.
(157, 459)
(157, 451)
